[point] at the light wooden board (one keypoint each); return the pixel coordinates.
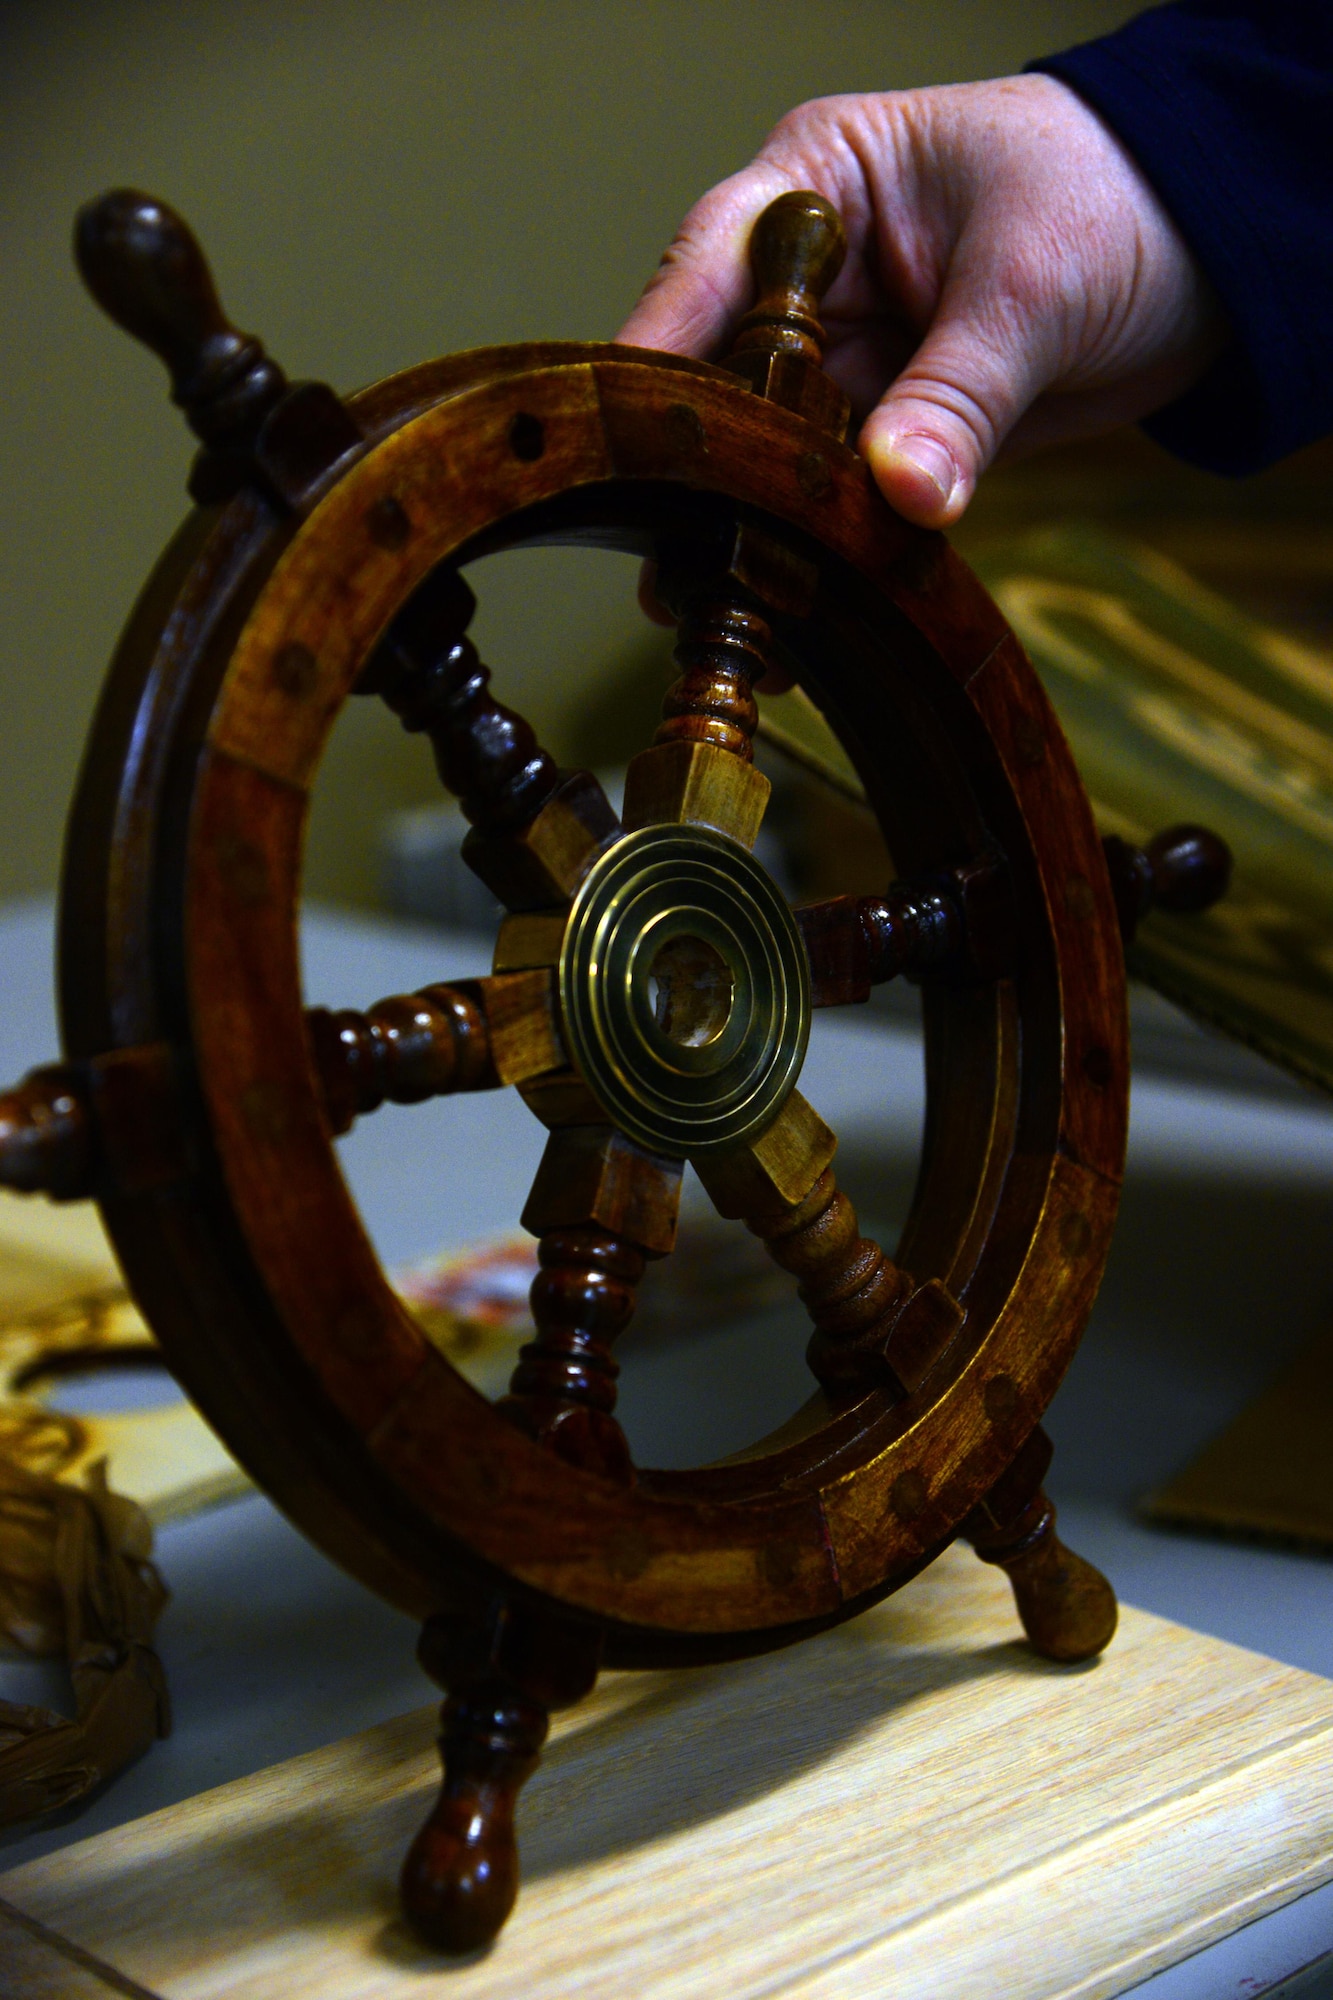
(912, 1806)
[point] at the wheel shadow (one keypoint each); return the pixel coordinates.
(710, 1742)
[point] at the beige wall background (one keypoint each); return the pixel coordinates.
(376, 181)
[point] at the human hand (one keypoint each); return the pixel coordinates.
(1011, 278)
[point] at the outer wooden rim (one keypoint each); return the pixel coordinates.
(428, 1482)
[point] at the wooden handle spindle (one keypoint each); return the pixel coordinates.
(797, 248)
(722, 649)
(536, 828)
(431, 676)
(1185, 869)
(1067, 1607)
(404, 1050)
(46, 1135)
(726, 643)
(856, 942)
(145, 268)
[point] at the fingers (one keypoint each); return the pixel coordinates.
(703, 282)
(984, 360)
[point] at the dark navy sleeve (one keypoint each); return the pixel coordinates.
(1228, 109)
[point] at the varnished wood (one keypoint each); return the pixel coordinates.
(109, 1124)
(535, 828)
(563, 1390)
(874, 1326)
(722, 650)
(685, 783)
(402, 1051)
(144, 267)
(1184, 869)
(539, 865)
(46, 1141)
(797, 249)
(960, 925)
(856, 942)
(849, 1286)
(724, 594)
(601, 1207)
(146, 270)
(1067, 1607)
(461, 1875)
(522, 1022)
(429, 672)
(593, 1175)
(761, 1180)
(182, 886)
(505, 1672)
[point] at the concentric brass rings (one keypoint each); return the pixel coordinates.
(684, 990)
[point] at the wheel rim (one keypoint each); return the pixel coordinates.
(802, 1531)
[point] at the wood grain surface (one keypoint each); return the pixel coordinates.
(909, 1805)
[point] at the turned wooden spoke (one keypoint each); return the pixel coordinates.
(700, 769)
(961, 923)
(429, 672)
(856, 942)
(725, 597)
(874, 1326)
(113, 1122)
(66, 1127)
(563, 1391)
(535, 829)
(601, 1207)
(472, 1035)
(723, 648)
(852, 1290)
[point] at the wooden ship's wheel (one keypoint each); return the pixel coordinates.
(650, 997)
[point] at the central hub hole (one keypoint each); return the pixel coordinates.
(691, 987)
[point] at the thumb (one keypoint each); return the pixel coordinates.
(944, 418)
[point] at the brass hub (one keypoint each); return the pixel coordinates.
(684, 990)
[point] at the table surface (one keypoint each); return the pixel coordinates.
(1221, 1270)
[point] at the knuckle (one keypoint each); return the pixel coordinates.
(802, 120)
(958, 414)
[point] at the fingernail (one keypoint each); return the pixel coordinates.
(930, 458)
